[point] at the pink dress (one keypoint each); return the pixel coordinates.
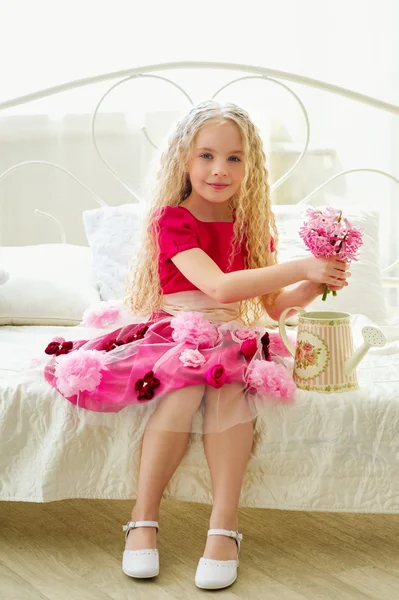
(192, 341)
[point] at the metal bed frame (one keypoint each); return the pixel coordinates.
(249, 72)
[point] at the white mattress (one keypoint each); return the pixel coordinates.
(337, 452)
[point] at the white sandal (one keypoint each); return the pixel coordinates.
(140, 563)
(217, 574)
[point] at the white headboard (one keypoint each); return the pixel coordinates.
(57, 217)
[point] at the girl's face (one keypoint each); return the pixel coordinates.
(216, 167)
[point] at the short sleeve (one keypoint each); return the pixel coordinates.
(177, 232)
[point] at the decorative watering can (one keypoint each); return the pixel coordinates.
(324, 357)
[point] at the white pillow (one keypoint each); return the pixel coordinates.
(364, 294)
(112, 233)
(49, 284)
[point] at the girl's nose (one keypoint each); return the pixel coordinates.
(219, 170)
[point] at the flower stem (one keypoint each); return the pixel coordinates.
(326, 291)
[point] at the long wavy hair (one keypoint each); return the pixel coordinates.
(254, 220)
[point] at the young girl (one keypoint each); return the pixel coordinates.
(202, 361)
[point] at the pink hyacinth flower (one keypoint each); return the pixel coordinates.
(328, 234)
(79, 371)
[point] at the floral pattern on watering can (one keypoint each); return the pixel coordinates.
(312, 355)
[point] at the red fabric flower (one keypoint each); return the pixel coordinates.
(146, 386)
(114, 343)
(137, 336)
(59, 347)
(265, 340)
(216, 376)
(249, 347)
(111, 344)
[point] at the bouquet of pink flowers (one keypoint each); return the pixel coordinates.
(328, 234)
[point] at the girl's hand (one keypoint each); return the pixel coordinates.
(329, 271)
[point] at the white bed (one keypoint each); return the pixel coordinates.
(337, 452)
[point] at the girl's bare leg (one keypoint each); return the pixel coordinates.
(164, 445)
(227, 453)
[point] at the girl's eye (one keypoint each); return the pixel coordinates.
(207, 156)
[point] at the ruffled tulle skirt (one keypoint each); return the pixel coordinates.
(192, 359)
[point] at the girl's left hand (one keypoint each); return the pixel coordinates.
(318, 288)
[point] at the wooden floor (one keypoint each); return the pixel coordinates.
(72, 550)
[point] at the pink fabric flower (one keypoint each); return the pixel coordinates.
(79, 371)
(277, 346)
(246, 333)
(192, 358)
(103, 314)
(216, 376)
(193, 328)
(249, 347)
(272, 379)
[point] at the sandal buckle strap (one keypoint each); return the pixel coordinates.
(133, 524)
(227, 532)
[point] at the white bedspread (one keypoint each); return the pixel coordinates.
(337, 452)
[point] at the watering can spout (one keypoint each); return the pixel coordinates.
(372, 338)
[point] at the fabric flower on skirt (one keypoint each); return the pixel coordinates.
(59, 346)
(216, 376)
(139, 335)
(112, 344)
(265, 341)
(246, 333)
(269, 378)
(101, 315)
(79, 371)
(146, 386)
(277, 346)
(116, 342)
(192, 358)
(193, 328)
(249, 347)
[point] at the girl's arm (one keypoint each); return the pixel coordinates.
(205, 274)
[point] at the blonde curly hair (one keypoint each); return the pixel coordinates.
(253, 214)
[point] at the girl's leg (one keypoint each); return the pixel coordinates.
(164, 445)
(227, 453)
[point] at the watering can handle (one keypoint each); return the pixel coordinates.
(283, 332)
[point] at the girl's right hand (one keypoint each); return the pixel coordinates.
(330, 271)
